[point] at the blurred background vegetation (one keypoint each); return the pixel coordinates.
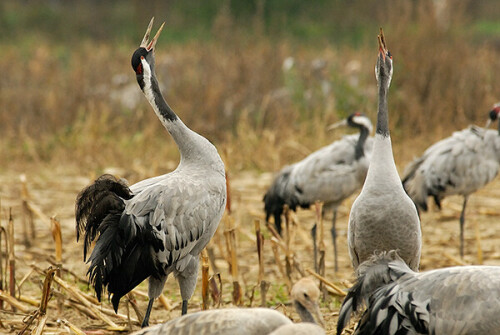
(260, 78)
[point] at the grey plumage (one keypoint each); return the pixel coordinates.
(460, 164)
(457, 300)
(159, 225)
(250, 321)
(330, 174)
(383, 217)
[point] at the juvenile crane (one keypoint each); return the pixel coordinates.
(159, 225)
(462, 300)
(383, 217)
(460, 164)
(251, 321)
(331, 174)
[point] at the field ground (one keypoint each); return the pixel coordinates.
(54, 192)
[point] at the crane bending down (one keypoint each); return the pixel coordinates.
(331, 174)
(251, 321)
(159, 225)
(460, 164)
(462, 300)
(383, 217)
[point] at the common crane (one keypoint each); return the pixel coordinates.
(330, 174)
(159, 225)
(251, 321)
(383, 217)
(459, 164)
(463, 300)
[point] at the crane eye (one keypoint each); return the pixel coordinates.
(138, 69)
(389, 54)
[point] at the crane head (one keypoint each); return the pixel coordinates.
(355, 120)
(305, 294)
(494, 115)
(383, 69)
(143, 60)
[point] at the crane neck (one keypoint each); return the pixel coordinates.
(193, 147)
(304, 313)
(359, 149)
(382, 114)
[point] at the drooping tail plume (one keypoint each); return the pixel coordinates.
(95, 202)
(372, 274)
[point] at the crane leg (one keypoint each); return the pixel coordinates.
(315, 246)
(184, 307)
(462, 224)
(334, 238)
(145, 321)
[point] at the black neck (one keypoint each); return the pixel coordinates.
(382, 115)
(359, 149)
(304, 314)
(166, 112)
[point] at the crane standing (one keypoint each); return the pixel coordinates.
(330, 174)
(383, 217)
(460, 300)
(251, 321)
(159, 225)
(460, 164)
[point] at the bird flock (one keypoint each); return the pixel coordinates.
(160, 225)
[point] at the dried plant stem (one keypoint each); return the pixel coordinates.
(274, 247)
(264, 285)
(321, 245)
(230, 234)
(72, 327)
(12, 258)
(216, 291)
(204, 279)
(13, 302)
(337, 290)
(76, 294)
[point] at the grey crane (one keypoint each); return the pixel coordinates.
(383, 217)
(159, 225)
(459, 164)
(330, 174)
(462, 300)
(250, 321)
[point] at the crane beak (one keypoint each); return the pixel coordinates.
(337, 125)
(487, 123)
(382, 47)
(317, 313)
(149, 45)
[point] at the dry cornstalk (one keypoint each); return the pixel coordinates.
(165, 303)
(56, 234)
(13, 302)
(321, 246)
(72, 327)
(288, 236)
(204, 279)
(76, 294)
(322, 279)
(216, 291)
(264, 285)
(132, 302)
(274, 247)
(27, 216)
(230, 234)
(3, 233)
(228, 193)
(12, 258)
(42, 311)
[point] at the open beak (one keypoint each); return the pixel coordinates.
(337, 125)
(382, 47)
(149, 45)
